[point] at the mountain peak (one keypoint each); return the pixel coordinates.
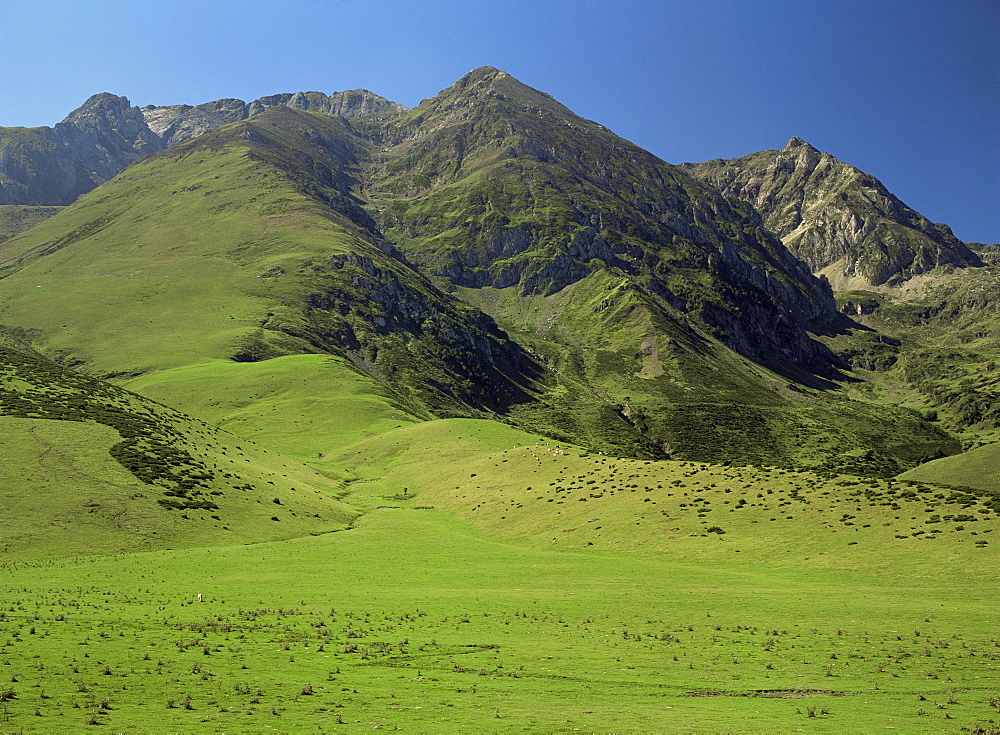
(480, 72)
(489, 82)
(796, 142)
(101, 103)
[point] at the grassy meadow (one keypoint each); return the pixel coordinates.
(462, 599)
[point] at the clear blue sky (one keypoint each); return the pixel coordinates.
(907, 90)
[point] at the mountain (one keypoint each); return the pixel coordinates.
(54, 166)
(494, 184)
(334, 418)
(841, 221)
(488, 254)
(177, 123)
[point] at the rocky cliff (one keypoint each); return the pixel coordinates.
(841, 221)
(54, 166)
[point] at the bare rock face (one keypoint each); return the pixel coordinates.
(841, 221)
(176, 123)
(54, 166)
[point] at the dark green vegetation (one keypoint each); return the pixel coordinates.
(335, 415)
(17, 218)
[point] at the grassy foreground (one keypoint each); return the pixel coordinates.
(414, 621)
(430, 619)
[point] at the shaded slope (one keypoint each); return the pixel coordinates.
(841, 221)
(53, 166)
(940, 340)
(633, 282)
(14, 219)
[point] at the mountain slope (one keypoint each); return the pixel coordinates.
(15, 219)
(938, 341)
(640, 312)
(234, 246)
(841, 221)
(492, 183)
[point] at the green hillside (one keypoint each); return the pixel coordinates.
(89, 467)
(465, 283)
(478, 418)
(977, 468)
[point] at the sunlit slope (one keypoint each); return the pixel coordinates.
(544, 492)
(164, 265)
(978, 468)
(91, 468)
(299, 405)
(249, 243)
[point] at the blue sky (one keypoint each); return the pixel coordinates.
(907, 90)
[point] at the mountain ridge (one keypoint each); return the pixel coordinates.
(840, 220)
(52, 166)
(487, 254)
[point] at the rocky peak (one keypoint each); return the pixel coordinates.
(99, 107)
(796, 142)
(488, 84)
(841, 221)
(110, 120)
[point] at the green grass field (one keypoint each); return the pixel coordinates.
(446, 607)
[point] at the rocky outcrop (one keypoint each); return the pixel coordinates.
(176, 123)
(54, 166)
(841, 221)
